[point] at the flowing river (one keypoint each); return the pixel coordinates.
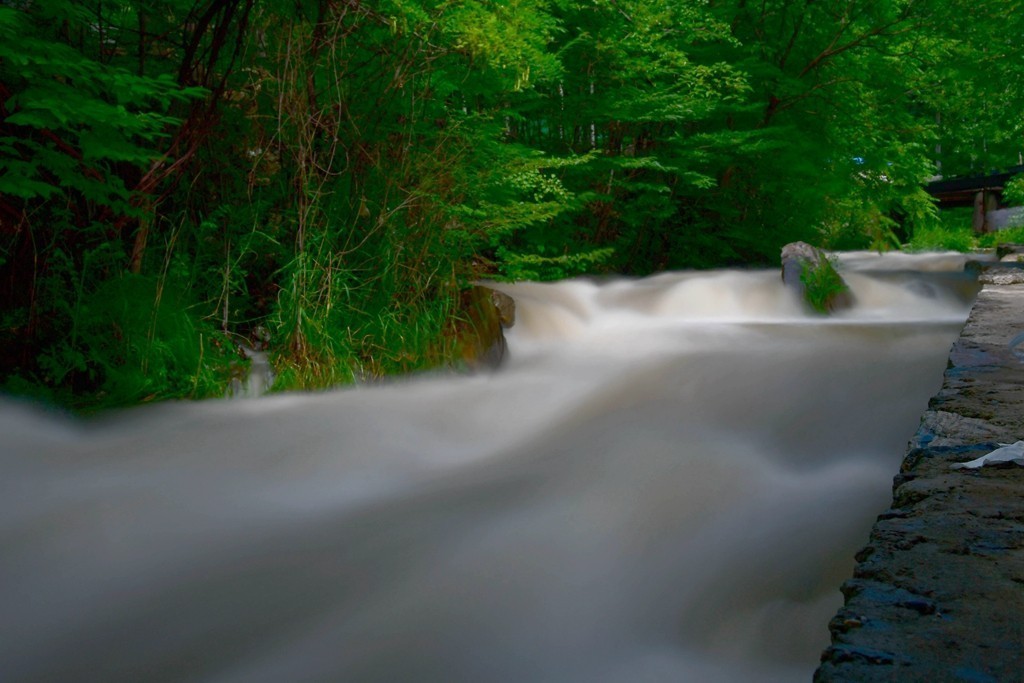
(666, 481)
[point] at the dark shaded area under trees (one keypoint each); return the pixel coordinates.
(328, 177)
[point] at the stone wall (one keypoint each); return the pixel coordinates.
(938, 592)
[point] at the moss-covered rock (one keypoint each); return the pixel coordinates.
(813, 276)
(485, 313)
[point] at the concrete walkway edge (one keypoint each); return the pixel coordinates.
(938, 591)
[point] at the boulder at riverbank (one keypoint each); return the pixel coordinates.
(486, 313)
(938, 592)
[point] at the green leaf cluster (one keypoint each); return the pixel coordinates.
(1014, 191)
(67, 120)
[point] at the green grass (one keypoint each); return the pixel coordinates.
(1008, 236)
(942, 238)
(132, 340)
(954, 233)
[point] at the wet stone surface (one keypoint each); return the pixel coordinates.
(938, 591)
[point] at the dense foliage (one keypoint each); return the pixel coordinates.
(326, 178)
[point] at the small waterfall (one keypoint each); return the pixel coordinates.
(258, 379)
(667, 481)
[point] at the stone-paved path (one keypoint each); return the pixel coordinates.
(938, 592)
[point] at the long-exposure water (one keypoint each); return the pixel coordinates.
(666, 481)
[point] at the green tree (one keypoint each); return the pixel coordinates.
(632, 96)
(88, 135)
(971, 85)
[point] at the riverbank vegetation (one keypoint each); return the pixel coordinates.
(325, 179)
(953, 232)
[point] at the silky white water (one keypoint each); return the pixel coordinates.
(667, 481)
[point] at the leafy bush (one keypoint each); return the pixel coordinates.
(131, 340)
(144, 343)
(1013, 193)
